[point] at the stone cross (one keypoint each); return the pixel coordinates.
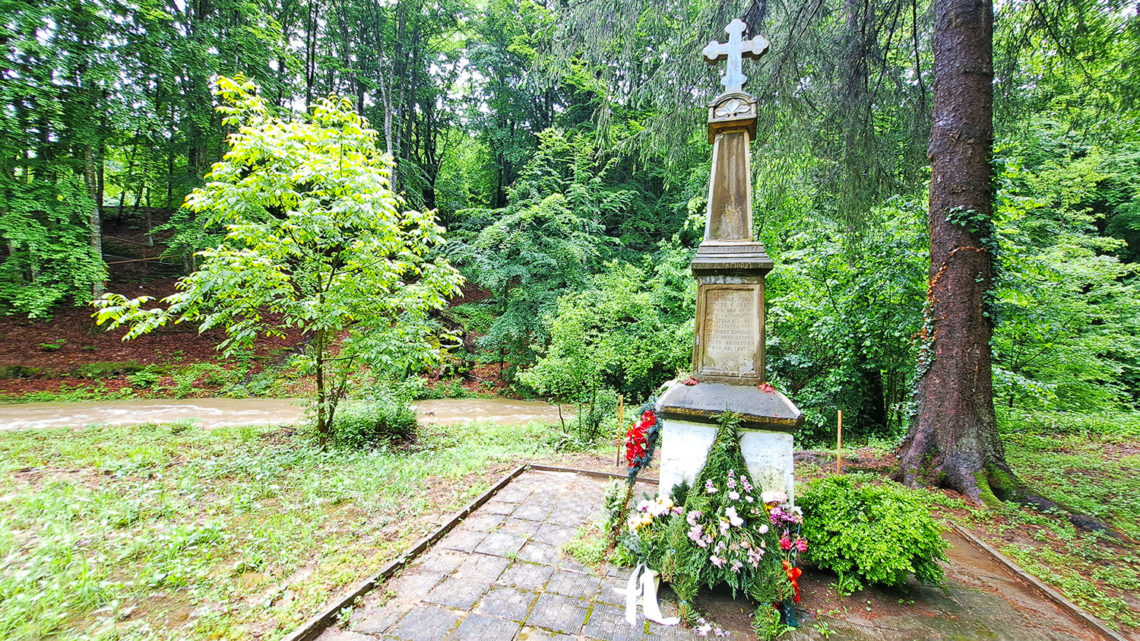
(735, 50)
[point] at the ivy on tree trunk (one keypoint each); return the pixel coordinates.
(954, 437)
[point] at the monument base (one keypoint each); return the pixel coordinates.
(685, 445)
(690, 419)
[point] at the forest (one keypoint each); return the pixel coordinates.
(562, 147)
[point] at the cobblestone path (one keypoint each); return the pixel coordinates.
(500, 576)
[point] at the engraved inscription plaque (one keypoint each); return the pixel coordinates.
(731, 331)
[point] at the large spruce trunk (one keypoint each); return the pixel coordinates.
(953, 440)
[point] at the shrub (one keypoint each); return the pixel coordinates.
(590, 417)
(19, 371)
(196, 376)
(103, 369)
(384, 418)
(145, 379)
(870, 533)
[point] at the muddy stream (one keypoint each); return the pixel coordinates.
(219, 412)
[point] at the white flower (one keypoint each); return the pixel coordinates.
(733, 518)
(734, 495)
(774, 496)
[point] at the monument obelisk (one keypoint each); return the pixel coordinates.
(730, 266)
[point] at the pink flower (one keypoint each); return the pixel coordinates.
(709, 487)
(801, 545)
(716, 560)
(774, 497)
(785, 543)
(693, 517)
(736, 565)
(697, 536)
(755, 555)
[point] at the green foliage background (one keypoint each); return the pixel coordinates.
(563, 147)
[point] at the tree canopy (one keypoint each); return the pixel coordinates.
(562, 145)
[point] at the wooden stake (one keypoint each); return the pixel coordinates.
(616, 531)
(839, 445)
(621, 406)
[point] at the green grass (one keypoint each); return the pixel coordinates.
(170, 532)
(1088, 463)
(170, 381)
(70, 393)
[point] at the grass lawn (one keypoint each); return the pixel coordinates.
(172, 532)
(1090, 463)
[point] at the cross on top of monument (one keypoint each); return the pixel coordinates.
(735, 50)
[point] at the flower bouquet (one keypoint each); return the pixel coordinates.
(722, 530)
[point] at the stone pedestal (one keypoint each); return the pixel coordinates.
(768, 422)
(728, 348)
(768, 454)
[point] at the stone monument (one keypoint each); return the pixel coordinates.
(730, 266)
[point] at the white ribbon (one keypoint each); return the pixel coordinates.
(643, 584)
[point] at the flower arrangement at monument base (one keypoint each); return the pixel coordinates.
(721, 531)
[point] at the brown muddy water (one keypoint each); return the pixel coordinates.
(219, 412)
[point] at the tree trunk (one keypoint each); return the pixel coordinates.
(954, 437)
(323, 423)
(91, 180)
(858, 166)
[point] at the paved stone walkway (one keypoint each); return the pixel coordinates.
(500, 576)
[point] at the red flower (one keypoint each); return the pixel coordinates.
(690, 381)
(637, 439)
(766, 388)
(794, 574)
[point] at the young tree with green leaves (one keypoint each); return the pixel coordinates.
(314, 239)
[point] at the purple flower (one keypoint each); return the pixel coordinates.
(776, 516)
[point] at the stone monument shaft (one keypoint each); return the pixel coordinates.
(730, 267)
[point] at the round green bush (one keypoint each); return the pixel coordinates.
(871, 533)
(383, 419)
